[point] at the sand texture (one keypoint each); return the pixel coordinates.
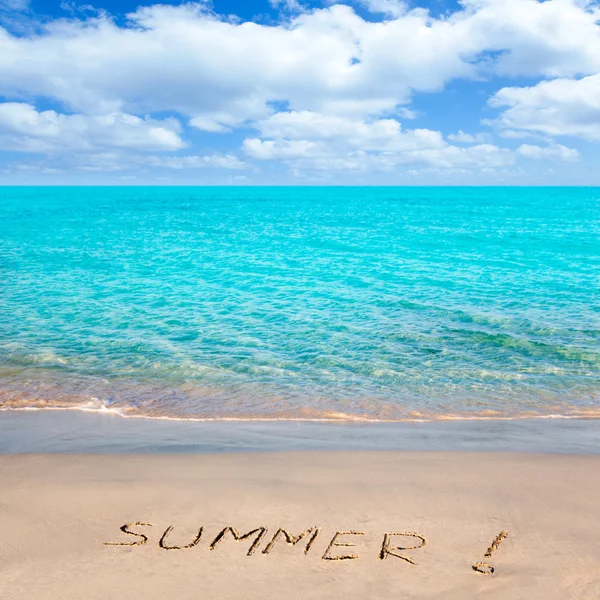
(296, 516)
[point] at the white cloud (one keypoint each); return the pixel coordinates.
(323, 88)
(308, 141)
(284, 149)
(215, 123)
(17, 5)
(291, 5)
(223, 73)
(473, 157)
(406, 113)
(380, 134)
(552, 38)
(568, 107)
(24, 129)
(448, 157)
(390, 8)
(216, 161)
(555, 152)
(118, 160)
(467, 138)
(513, 134)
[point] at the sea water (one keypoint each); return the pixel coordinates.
(301, 302)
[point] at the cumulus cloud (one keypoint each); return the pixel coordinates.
(310, 141)
(329, 60)
(552, 38)
(467, 138)
(555, 152)
(568, 107)
(514, 134)
(378, 134)
(323, 88)
(320, 158)
(25, 129)
(284, 149)
(475, 157)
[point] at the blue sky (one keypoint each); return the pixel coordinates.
(277, 92)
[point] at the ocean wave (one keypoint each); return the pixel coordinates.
(328, 416)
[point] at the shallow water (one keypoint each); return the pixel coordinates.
(314, 303)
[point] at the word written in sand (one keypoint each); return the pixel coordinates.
(394, 543)
(390, 545)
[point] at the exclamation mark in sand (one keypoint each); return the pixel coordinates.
(486, 568)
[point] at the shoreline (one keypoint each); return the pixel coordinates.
(592, 415)
(389, 524)
(74, 431)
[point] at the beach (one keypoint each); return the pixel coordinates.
(58, 512)
(299, 300)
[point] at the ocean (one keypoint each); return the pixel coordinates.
(301, 303)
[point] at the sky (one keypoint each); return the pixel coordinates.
(299, 92)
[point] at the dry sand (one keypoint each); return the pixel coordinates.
(57, 512)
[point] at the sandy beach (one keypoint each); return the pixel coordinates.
(61, 518)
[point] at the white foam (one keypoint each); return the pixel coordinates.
(97, 407)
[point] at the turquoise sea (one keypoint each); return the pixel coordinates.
(301, 303)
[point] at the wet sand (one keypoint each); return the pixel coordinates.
(74, 431)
